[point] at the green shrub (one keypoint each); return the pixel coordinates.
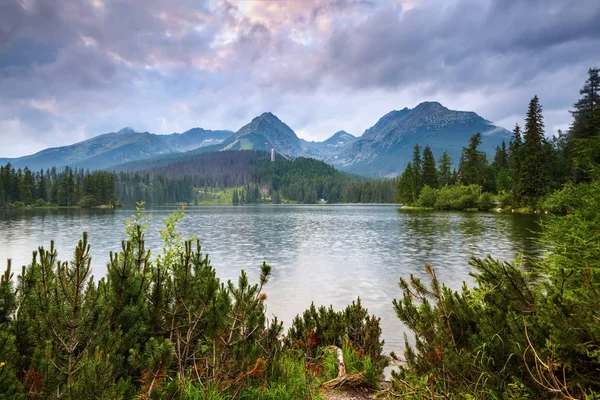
(40, 203)
(516, 333)
(504, 199)
(569, 198)
(457, 197)
(486, 202)
(428, 197)
(353, 330)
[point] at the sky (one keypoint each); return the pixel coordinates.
(73, 69)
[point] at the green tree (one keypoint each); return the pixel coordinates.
(515, 148)
(417, 172)
(473, 163)
(235, 198)
(533, 175)
(501, 156)
(406, 190)
(584, 133)
(445, 169)
(26, 186)
(429, 172)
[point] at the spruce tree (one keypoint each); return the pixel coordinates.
(501, 156)
(429, 172)
(445, 169)
(417, 172)
(473, 162)
(584, 134)
(533, 178)
(405, 188)
(41, 190)
(514, 161)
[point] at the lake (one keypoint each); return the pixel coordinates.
(329, 254)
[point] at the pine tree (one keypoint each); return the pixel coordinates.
(235, 199)
(584, 134)
(429, 172)
(514, 161)
(533, 178)
(406, 191)
(445, 169)
(41, 187)
(417, 171)
(473, 163)
(501, 156)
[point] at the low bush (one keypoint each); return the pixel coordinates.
(165, 327)
(486, 202)
(517, 333)
(457, 197)
(428, 197)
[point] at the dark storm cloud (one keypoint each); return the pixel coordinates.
(463, 43)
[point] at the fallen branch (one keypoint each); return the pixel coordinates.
(343, 378)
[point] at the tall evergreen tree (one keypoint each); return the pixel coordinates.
(417, 172)
(235, 198)
(473, 162)
(445, 169)
(533, 179)
(41, 186)
(514, 162)
(501, 156)
(429, 172)
(584, 134)
(405, 192)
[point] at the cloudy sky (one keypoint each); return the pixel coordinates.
(72, 69)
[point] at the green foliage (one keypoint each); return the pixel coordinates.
(584, 133)
(406, 191)
(353, 329)
(430, 174)
(516, 333)
(69, 188)
(12, 387)
(486, 202)
(458, 197)
(473, 163)
(533, 178)
(428, 197)
(445, 169)
(160, 327)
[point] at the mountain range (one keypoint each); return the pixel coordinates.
(382, 150)
(120, 147)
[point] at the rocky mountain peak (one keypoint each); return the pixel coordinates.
(126, 131)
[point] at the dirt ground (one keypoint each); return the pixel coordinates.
(354, 394)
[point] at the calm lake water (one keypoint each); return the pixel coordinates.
(326, 254)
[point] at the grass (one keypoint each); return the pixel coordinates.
(224, 197)
(207, 197)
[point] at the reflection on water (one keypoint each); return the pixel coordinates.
(325, 254)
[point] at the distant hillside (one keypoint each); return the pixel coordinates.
(300, 179)
(386, 148)
(196, 138)
(329, 150)
(120, 147)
